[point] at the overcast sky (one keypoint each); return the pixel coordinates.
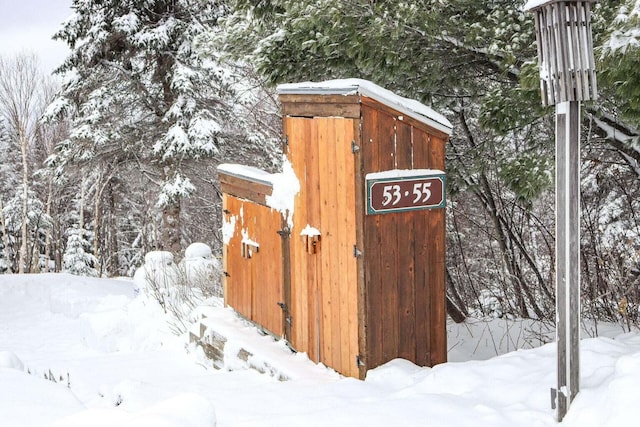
(27, 25)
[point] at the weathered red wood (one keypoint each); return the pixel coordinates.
(406, 235)
(388, 245)
(321, 110)
(372, 240)
(408, 119)
(438, 345)
(422, 291)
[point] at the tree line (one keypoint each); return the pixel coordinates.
(155, 94)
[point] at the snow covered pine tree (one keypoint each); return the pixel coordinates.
(141, 94)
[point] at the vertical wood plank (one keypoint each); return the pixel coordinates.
(360, 338)
(331, 210)
(352, 283)
(347, 283)
(294, 129)
(438, 344)
(327, 181)
(314, 270)
(341, 215)
(406, 235)
(239, 269)
(372, 240)
(404, 145)
(388, 245)
(422, 261)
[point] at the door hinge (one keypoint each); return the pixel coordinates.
(356, 252)
(354, 147)
(226, 274)
(284, 233)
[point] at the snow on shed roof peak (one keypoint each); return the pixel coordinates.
(410, 107)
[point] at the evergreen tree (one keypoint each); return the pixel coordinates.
(77, 260)
(620, 65)
(143, 98)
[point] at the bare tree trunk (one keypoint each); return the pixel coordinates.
(47, 241)
(96, 225)
(114, 250)
(171, 228)
(25, 203)
(96, 220)
(34, 266)
(5, 236)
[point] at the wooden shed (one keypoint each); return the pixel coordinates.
(362, 251)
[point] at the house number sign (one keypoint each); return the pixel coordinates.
(396, 191)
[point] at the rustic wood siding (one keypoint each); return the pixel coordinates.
(244, 188)
(404, 252)
(324, 285)
(346, 106)
(253, 286)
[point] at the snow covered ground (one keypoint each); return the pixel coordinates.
(90, 352)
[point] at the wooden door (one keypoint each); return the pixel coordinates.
(253, 262)
(324, 288)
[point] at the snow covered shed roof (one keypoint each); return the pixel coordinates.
(409, 107)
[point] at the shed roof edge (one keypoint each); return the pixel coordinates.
(410, 107)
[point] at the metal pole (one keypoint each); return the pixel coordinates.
(567, 253)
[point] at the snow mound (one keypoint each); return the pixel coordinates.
(197, 250)
(396, 374)
(158, 258)
(159, 271)
(8, 359)
(183, 410)
(200, 268)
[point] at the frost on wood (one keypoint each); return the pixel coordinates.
(310, 231)
(247, 240)
(285, 187)
(228, 229)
